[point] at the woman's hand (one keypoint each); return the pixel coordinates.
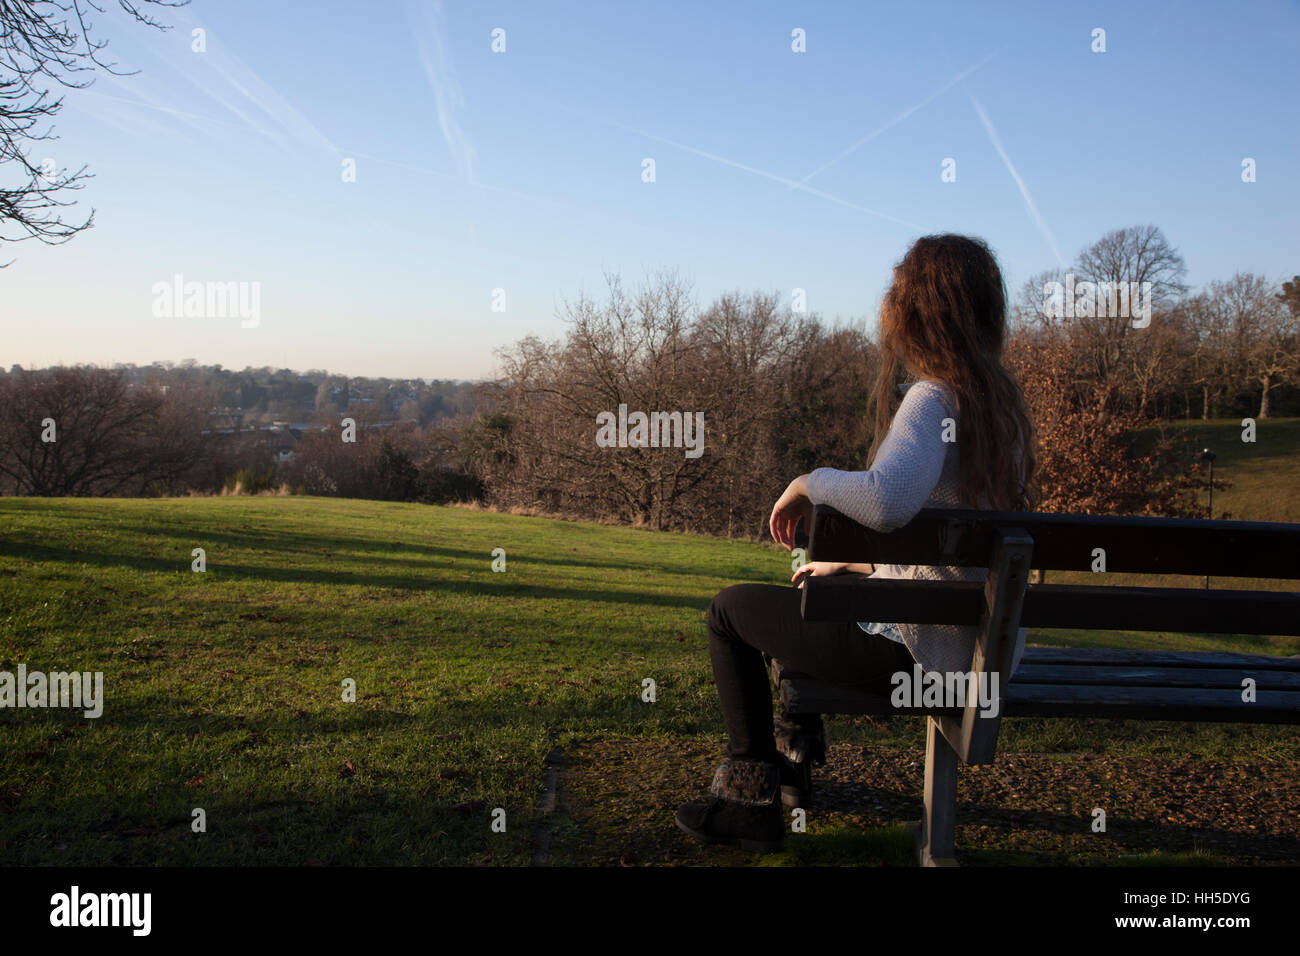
(827, 568)
(792, 507)
(818, 569)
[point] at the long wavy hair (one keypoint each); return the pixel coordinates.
(944, 317)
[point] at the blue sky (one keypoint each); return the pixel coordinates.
(521, 170)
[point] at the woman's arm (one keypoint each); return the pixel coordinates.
(905, 470)
(827, 568)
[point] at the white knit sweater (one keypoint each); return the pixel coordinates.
(914, 469)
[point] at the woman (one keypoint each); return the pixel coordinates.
(961, 434)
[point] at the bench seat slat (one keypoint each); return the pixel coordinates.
(1115, 656)
(1066, 542)
(804, 695)
(1151, 703)
(1146, 676)
(1055, 665)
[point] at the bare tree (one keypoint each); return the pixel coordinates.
(1265, 331)
(87, 431)
(1027, 309)
(631, 350)
(745, 341)
(1137, 254)
(1157, 359)
(1210, 364)
(1290, 294)
(44, 42)
(778, 394)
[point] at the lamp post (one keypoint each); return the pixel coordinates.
(1209, 456)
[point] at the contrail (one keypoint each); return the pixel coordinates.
(1024, 190)
(160, 108)
(223, 78)
(792, 183)
(434, 58)
(901, 116)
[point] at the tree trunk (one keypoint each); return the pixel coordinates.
(1263, 401)
(1205, 403)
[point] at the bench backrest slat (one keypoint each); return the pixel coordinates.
(964, 538)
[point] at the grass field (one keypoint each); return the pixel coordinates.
(1265, 473)
(224, 689)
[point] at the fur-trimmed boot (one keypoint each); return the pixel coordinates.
(801, 742)
(742, 808)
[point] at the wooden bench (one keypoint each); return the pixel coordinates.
(1056, 682)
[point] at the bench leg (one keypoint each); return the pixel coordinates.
(935, 833)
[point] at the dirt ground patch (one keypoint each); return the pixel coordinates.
(617, 798)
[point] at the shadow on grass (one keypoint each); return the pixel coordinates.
(1225, 438)
(308, 828)
(431, 806)
(429, 581)
(355, 548)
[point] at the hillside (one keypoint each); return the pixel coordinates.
(224, 690)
